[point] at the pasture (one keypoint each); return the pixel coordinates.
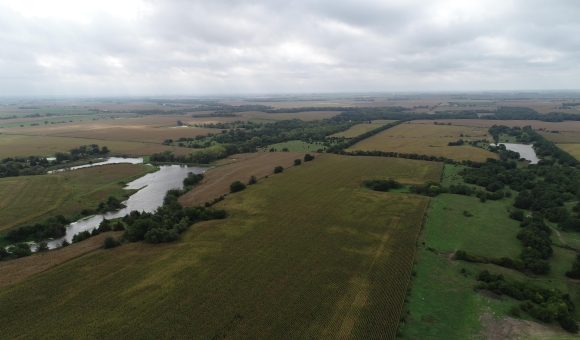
(24, 146)
(305, 253)
(426, 139)
(359, 129)
(295, 146)
(306, 116)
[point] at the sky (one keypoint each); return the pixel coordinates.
(179, 47)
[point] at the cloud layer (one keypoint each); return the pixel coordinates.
(65, 47)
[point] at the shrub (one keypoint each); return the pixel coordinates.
(278, 169)
(252, 180)
(297, 162)
(65, 243)
(308, 157)
(118, 226)
(515, 311)
(237, 186)
(42, 246)
(110, 242)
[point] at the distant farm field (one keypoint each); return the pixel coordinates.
(303, 254)
(24, 198)
(359, 129)
(486, 123)
(20, 145)
(426, 139)
(307, 115)
(573, 149)
(295, 146)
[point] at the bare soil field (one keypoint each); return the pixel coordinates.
(217, 181)
(426, 139)
(485, 123)
(19, 145)
(17, 270)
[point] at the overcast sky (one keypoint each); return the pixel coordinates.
(117, 47)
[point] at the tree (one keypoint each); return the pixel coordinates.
(179, 123)
(110, 243)
(308, 157)
(252, 180)
(278, 169)
(237, 186)
(297, 162)
(42, 246)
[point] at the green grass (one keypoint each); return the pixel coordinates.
(295, 146)
(450, 230)
(443, 304)
(303, 254)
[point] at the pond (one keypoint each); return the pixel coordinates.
(526, 151)
(148, 199)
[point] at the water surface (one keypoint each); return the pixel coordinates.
(526, 151)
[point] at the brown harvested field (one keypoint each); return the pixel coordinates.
(20, 145)
(359, 129)
(141, 133)
(217, 181)
(563, 137)
(426, 139)
(485, 123)
(306, 116)
(17, 270)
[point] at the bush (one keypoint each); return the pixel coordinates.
(42, 246)
(278, 169)
(237, 186)
(297, 162)
(104, 226)
(569, 324)
(515, 311)
(308, 157)
(20, 250)
(110, 242)
(64, 243)
(118, 226)
(252, 180)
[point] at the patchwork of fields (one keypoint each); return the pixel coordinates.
(426, 139)
(359, 129)
(306, 253)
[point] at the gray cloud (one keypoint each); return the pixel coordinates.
(195, 47)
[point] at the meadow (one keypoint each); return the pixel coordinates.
(424, 139)
(443, 303)
(303, 254)
(294, 146)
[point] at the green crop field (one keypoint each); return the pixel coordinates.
(25, 198)
(294, 146)
(303, 254)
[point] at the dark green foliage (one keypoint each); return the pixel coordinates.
(463, 255)
(52, 227)
(308, 157)
(517, 215)
(515, 311)
(19, 250)
(278, 169)
(118, 226)
(382, 184)
(543, 304)
(431, 189)
(110, 242)
(42, 246)
(83, 235)
(237, 186)
(104, 226)
(252, 180)
(95, 232)
(65, 243)
(458, 143)
(192, 179)
(574, 273)
(297, 162)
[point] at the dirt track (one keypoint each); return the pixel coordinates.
(217, 181)
(17, 270)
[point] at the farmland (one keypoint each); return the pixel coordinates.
(38, 195)
(426, 139)
(249, 265)
(20, 145)
(30, 198)
(359, 129)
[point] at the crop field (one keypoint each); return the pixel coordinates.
(20, 145)
(47, 121)
(32, 198)
(143, 134)
(20, 269)
(485, 123)
(305, 253)
(306, 116)
(25, 198)
(359, 129)
(562, 137)
(573, 149)
(217, 181)
(428, 140)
